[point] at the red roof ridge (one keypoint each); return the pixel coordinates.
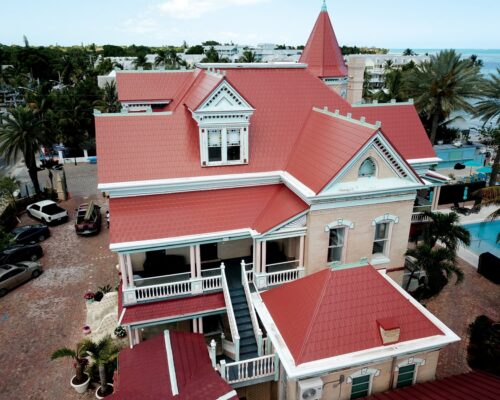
(319, 301)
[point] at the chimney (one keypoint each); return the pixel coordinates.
(389, 330)
(355, 72)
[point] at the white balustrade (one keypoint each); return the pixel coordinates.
(230, 313)
(248, 370)
(417, 217)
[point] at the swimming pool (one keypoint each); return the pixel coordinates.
(484, 237)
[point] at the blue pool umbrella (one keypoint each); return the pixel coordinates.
(484, 170)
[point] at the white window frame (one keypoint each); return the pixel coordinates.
(386, 240)
(224, 147)
(372, 372)
(339, 223)
(381, 258)
(410, 361)
(375, 166)
(344, 245)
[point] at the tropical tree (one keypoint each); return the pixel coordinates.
(476, 61)
(8, 186)
(212, 56)
(22, 133)
(248, 57)
(102, 353)
(78, 355)
(490, 196)
(141, 61)
(439, 266)
(161, 58)
(109, 102)
(442, 85)
(409, 52)
(172, 57)
(445, 228)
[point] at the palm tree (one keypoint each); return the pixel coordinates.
(212, 56)
(439, 266)
(22, 132)
(445, 228)
(490, 196)
(172, 57)
(141, 61)
(248, 57)
(409, 52)
(161, 57)
(102, 353)
(109, 102)
(442, 85)
(78, 355)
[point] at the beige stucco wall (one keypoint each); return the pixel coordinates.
(333, 389)
(359, 240)
(383, 170)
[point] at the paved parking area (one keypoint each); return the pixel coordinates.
(49, 312)
(458, 306)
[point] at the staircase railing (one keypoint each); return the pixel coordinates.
(253, 316)
(233, 326)
(248, 370)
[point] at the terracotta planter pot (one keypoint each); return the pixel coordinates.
(97, 392)
(82, 388)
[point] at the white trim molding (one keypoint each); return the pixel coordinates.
(363, 372)
(410, 361)
(340, 223)
(384, 218)
(170, 361)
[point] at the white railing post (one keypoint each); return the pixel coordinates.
(213, 353)
(223, 369)
(276, 367)
(259, 342)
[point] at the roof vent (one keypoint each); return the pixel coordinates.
(362, 119)
(325, 108)
(337, 112)
(349, 115)
(410, 101)
(389, 330)
(378, 124)
(375, 101)
(393, 101)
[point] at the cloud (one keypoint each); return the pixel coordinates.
(190, 9)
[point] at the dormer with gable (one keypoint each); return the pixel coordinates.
(224, 126)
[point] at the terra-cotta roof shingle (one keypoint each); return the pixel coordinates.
(336, 312)
(322, 52)
(180, 214)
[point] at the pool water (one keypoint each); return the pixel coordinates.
(484, 237)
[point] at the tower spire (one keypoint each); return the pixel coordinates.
(323, 7)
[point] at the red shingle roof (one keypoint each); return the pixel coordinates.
(325, 145)
(143, 371)
(469, 386)
(142, 313)
(322, 52)
(180, 214)
(135, 86)
(348, 304)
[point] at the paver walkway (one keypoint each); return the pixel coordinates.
(459, 305)
(49, 312)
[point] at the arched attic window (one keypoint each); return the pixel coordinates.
(367, 169)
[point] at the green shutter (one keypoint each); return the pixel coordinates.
(405, 376)
(360, 387)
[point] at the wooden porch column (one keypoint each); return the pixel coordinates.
(264, 255)
(195, 325)
(192, 261)
(301, 251)
(257, 256)
(435, 198)
(137, 336)
(128, 262)
(198, 260)
(123, 270)
(200, 325)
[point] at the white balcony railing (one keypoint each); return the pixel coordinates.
(253, 316)
(230, 313)
(249, 370)
(160, 291)
(266, 279)
(418, 217)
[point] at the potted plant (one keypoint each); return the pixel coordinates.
(120, 332)
(102, 353)
(80, 381)
(89, 297)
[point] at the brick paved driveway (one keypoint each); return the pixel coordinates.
(458, 306)
(49, 312)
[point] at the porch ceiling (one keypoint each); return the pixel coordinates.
(163, 217)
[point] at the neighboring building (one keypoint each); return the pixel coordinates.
(236, 186)
(451, 154)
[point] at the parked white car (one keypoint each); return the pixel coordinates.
(47, 211)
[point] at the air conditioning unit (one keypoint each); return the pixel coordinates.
(310, 389)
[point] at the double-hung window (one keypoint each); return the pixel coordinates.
(224, 146)
(336, 244)
(360, 386)
(406, 375)
(381, 241)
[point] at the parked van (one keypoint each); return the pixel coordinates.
(88, 219)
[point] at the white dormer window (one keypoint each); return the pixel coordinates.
(224, 122)
(367, 169)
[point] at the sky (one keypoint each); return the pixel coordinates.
(393, 24)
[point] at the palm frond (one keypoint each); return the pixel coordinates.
(63, 352)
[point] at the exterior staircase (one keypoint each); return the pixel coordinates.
(248, 344)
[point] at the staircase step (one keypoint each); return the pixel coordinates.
(249, 355)
(237, 290)
(248, 349)
(248, 341)
(241, 306)
(238, 299)
(245, 327)
(243, 320)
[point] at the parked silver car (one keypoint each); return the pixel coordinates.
(12, 275)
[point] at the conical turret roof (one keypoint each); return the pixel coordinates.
(322, 52)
